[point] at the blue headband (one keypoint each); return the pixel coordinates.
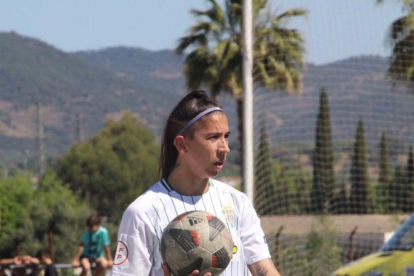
(196, 118)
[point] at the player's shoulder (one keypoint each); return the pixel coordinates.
(144, 201)
(103, 230)
(227, 188)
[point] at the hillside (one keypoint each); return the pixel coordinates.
(100, 84)
(356, 87)
(32, 71)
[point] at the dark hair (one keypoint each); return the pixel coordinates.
(93, 220)
(43, 253)
(190, 106)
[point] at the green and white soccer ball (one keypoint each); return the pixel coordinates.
(196, 240)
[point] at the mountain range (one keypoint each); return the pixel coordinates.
(102, 84)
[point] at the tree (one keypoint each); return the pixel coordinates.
(282, 199)
(216, 57)
(114, 167)
(264, 191)
(34, 215)
(302, 188)
(398, 193)
(16, 194)
(58, 217)
(400, 38)
(323, 252)
(385, 178)
(318, 254)
(339, 202)
(408, 189)
(323, 172)
(359, 175)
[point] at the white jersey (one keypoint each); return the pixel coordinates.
(143, 222)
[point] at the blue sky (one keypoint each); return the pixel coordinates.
(334, 29)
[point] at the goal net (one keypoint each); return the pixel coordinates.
(334, 168)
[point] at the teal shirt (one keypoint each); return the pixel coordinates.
(94, 243)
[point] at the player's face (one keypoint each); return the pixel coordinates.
(93, 228)
(208, 148)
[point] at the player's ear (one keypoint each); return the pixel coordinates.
(179, 143)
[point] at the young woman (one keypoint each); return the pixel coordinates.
(194, 150)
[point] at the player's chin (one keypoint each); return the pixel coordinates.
(213, 173)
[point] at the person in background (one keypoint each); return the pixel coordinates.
(22, 262)
(45, 258)
(194, 148)
(93, 248)
(5, 263)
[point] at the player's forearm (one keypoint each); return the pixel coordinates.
(6, 261)
(108, 253)
(264, 268)
(78, 253)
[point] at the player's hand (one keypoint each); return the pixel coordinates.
(17, 260)
(26, 259)
(110, 263)
(166, 268)
(75, 263)
(167, 271)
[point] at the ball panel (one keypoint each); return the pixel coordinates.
(190, 268)
(176, 257)
(195, 221)
(220, 259)
(216, 226)
(180, 217)
(188, 240)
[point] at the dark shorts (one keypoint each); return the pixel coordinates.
(91, 259)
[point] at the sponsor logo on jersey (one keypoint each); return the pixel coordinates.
(265, 239)
(121, 255)
(228, 213)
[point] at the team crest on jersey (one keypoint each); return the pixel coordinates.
(228, 213)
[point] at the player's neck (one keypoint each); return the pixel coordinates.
(187, 184)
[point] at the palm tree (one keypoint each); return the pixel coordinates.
(401, 40)
(216, 56)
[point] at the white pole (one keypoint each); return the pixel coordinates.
(248, 99)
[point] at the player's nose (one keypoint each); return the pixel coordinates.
(224, 147)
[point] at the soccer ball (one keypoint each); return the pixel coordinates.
(196, 240)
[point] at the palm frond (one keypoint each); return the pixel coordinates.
(234, 11)
(291, 13)
(196, 65)
(258, 6)
(215, 14)
(216, 62)
(193, 40)
(206, 28)
(398, 29)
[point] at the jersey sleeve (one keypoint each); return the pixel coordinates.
(251, 234)
(135, 247)
(106, 241)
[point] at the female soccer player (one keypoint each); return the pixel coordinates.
(194, 150)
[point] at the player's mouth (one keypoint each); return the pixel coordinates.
(219, 165)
